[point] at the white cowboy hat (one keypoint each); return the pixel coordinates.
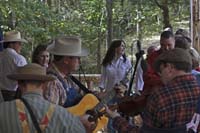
(13, 36)
(67, 46)
(31, 71)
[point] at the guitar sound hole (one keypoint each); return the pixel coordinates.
(93, 115)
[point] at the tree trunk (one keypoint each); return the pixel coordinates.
(166, 19)
(100, 42)
(196, 24)
(109, 5)
(165, 11)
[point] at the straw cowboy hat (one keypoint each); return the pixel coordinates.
(31, 71)
(174, 55)
(13, 36)
(67, 46)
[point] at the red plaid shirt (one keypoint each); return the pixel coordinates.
(174, 104)
(151, 78)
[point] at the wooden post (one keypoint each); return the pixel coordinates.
(195, 14)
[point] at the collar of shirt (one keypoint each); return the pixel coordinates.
(117, 61)
(32, 93)
(57, 70)
(181, 78)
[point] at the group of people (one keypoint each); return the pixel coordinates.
(170, 94)
(44, 86)
(170, 89)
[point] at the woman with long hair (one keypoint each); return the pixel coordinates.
(115, 67)
(41, 56)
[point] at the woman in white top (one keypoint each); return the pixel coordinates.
(115, 66)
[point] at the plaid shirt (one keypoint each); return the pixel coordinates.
(58, 93)
(54, 90)
(174, 104)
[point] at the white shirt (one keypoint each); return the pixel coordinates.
(139, 82)
(114, 73)
(9, 61)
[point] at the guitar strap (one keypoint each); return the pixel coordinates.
(80, 85)
(24, 119)
(34, 120)
(73, 96)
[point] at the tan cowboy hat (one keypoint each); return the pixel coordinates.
(13, 36)
(31, 71)
(67, 46)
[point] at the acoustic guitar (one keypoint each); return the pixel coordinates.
(90, 103)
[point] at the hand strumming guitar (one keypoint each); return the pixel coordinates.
(89, 126)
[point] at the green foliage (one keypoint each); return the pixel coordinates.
(39, 22)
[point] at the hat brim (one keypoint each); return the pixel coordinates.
(30, 77)
(83, 52)
(14, 40)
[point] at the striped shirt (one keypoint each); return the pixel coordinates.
(61, 121)
(54, 90)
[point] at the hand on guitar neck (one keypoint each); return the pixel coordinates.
(119, 89)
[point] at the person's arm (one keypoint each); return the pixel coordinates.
(120, 123)
(20, 60)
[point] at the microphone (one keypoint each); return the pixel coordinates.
(140, 52)
(138, 44)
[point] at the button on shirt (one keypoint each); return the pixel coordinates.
(9, 61)
(114, 73)
(61, 121)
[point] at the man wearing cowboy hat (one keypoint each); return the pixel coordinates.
(173, 105)
(10, 58)
(67, 52)
(18, 116)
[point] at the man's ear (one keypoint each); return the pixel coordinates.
(66, 60)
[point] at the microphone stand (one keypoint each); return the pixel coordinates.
(138, 55)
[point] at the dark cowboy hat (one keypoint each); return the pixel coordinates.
(174, 56)
(183, 33)
(31, 71)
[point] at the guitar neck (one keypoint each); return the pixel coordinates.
(109, 95)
